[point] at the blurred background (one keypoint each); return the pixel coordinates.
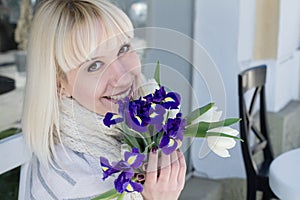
(202, 47)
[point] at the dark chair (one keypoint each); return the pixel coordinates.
(254, 131)
(6, 84)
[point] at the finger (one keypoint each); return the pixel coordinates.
(165, 170)
(182, 170)
(151, 174)
(174, 167)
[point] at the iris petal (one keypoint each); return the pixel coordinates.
(123, 183)
(171, 101)
(168, 145)
(173, 132)
(136, 114)
(107, 169)
(133, 187)
(131, 159)
(111, 118)
(119, 182)
(134, 158)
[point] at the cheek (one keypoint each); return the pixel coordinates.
(132, 63)
(85, 90)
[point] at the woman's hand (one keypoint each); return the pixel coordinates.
(168, 183)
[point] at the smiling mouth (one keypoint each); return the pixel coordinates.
(120, 96)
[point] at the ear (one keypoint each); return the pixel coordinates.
(64, 88)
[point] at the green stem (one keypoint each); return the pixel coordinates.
(107, 195)
(121, 197)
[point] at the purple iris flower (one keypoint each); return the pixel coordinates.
(170, 100)
(124, 167)
(131, 186)
(173, 131)
(133, 159)
(122, 183)
(137, 114)
(107, 169)
(111, 118)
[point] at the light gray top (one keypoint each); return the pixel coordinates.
(75, 176)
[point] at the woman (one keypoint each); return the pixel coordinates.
(80, 62)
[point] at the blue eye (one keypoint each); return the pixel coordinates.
(124, 49)
(95, 66)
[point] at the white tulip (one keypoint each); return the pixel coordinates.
(220, 144)
(212, 115)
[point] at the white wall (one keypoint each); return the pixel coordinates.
(246, 32)
(289, 28)
(217, 29)
(226, 30)
(284, 71)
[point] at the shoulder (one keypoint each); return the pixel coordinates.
(74, 175)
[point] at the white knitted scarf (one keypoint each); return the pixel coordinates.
(83, 131)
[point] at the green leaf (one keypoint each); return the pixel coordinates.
(200, 129)
(159, 136)
(157, 73)
(223, 135)
(147, 137)
(197, 112)
(129, 138)
(139, 137)
(195, 130)
(107, 195)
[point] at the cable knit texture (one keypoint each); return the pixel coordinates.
(83, 131)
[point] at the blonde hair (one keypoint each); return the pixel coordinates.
(63, 35)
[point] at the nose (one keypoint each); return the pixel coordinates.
(119, 73)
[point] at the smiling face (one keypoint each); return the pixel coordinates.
(109, 75)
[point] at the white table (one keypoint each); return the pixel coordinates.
(284, 177)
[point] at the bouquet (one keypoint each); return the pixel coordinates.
(155, 120)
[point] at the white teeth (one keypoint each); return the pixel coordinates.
(121, 96)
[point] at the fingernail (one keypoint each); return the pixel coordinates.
(154, 149)
(179, 143)
(140, 177)
(144, 166)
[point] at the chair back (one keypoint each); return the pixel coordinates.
(254, 132)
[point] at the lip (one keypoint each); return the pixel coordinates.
(120, 93)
